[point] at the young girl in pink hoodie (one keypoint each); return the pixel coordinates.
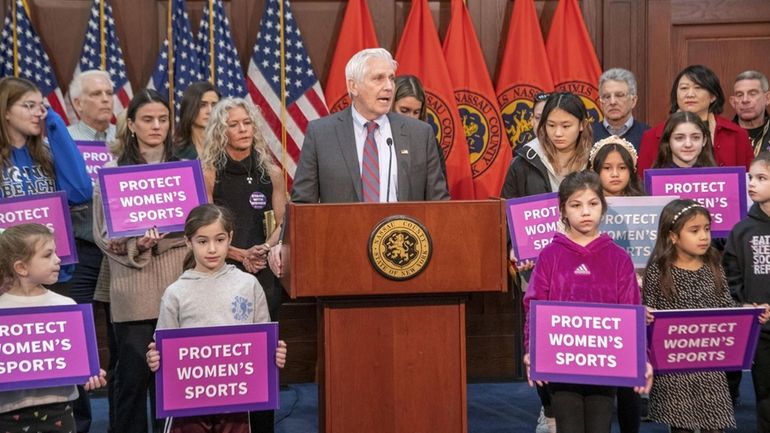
(582, 265)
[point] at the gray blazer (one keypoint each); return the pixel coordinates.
(328, 170)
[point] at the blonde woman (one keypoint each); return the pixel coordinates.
(241, 175)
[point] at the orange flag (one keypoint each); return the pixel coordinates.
(488, 145)
(524, 72)
(419, 53)
(573, 59)
(356, 34)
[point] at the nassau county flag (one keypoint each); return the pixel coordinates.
(304, 97)
(573, 60)
(419, 53)
(490, 153)
(356, 33)
(523, 73)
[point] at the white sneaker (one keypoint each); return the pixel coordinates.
(542, 423)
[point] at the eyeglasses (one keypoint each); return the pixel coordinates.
(541, 96)
(34, 107)
(618, 96)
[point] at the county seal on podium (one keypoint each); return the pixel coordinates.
(399, 247)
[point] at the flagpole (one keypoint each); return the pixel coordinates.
(170, 54)
(15, 42)
(283, 92)
(102, 39)
(212, 62)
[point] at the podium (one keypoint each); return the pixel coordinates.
(391, 353)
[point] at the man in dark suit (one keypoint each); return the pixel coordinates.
(331, 164)
(365, 152)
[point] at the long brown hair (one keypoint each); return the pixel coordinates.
(409, 85)
(131, 154)
(672, 220)
(666, 158)
(188, 112)
(12, 89)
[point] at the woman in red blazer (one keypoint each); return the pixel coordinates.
(697, 89)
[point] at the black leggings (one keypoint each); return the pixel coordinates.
(582, 408)
(629, 410)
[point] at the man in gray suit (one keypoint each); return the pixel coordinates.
(331, 163)
(366, 152)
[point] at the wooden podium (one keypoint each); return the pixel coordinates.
(391, 353)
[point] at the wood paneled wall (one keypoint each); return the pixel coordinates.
(653, 38)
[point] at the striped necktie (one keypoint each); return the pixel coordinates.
(370, 175)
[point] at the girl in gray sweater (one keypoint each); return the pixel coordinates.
(211, 293)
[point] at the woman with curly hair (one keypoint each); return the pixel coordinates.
(241, 175)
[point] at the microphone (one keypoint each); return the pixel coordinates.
(389, 141)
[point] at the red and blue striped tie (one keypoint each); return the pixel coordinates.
(370, 175)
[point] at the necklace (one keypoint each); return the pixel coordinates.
(249, 171)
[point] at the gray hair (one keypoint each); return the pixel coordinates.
(753, 75)
(356, 67)
(76, 86)
(214, 155)
(619, 74)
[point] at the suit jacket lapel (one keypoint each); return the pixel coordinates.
(403, 159)
(347, 142)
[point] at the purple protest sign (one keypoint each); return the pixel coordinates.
(217, 369)
(95, 154)
(139, 197)
(50, 210)
(703, 340)
(586, 343)
(721, 190)
(532, 222)
(47, 346)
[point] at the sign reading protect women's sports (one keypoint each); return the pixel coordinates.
(47, 346)
(721, 190)
(217, 369)
(632, 222)
(532, 222)
(50, 210)
(703, 340)
(140, 197)
(95, 154)
(587, 343)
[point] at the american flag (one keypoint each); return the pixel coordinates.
(304, 97)
(228, 75)
(91, 56)
(33, 61)
(185, 57)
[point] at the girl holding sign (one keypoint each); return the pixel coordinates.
(28, 262)
(685, 143)
(211, 293)
(140, 267)
(684, 272)
(564, 138)
(582, 265)
(614, 160)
